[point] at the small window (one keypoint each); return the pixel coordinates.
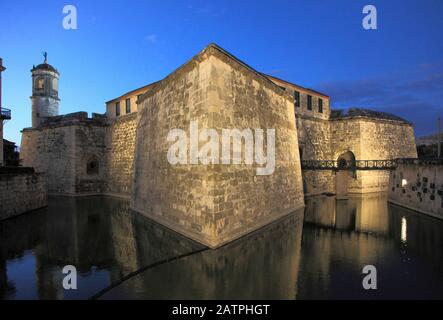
(55, 84)
(40, 84)
(297, 98)
(138, 97)
(92, 168)
(320, 105)
(117, 109)
(309, 102)
(128, 105)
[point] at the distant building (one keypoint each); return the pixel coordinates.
(11, 154)
(126, 103)
(5, 114)
(427, 146)
(427, 140)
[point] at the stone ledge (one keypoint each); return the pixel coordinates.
(429, 214)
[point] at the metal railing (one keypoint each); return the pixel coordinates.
(349, 165)
(5, 113)
(421, 161)
(366, 164)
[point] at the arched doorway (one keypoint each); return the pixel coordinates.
(345, 163)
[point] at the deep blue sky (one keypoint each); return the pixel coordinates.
(122, 45)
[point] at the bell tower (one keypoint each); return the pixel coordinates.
(45, 101)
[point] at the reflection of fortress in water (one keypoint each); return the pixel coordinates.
(289, 259)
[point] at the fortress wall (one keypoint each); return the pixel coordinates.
(346, 136)
(62, 153)
(89, 147)
(176, 196)
(371, 139)
(315, 143)
(423, 190)
(120, 156)
(249, 201)
(20, 193)
(52, 152)
(383, 139)
(214, 204)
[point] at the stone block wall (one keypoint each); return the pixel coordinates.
(418, 186)
(120, 156)
(314, 140)
(371, 139)
(20, 193)
(63, 151)
(214, 204)
(90, 146)
(383, 139)
(386, 139)
(51, 152)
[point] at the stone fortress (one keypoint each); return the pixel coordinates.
(123, 152)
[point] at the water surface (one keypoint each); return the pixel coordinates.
(318, 253)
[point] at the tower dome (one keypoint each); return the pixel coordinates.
(45, 100)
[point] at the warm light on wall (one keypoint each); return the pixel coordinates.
(404, 229)
(404, 182)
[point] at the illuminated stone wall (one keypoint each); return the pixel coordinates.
(372, 139)
(418, 187)
(366, 138)
(215, 204)
(315, 142)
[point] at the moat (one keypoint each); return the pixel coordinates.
(316, 253)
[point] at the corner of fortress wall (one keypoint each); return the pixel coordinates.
(214, 204)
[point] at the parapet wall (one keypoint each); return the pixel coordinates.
(418, 185)
(21, 192)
